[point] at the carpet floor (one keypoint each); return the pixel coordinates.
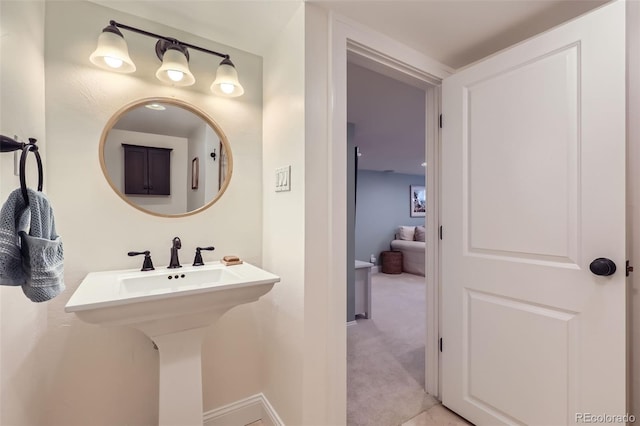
(385, 355)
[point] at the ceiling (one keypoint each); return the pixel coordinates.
(172, 121)
(453, 32)
(249, 25)
(459, 32)
(389, 120)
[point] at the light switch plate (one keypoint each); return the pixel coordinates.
(283, 179)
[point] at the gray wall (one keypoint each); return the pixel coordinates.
(382, 206)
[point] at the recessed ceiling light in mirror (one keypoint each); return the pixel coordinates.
(155, 106)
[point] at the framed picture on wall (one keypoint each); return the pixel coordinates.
(195, 172)
(417, 200)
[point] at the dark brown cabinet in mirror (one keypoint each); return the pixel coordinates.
(147, 170)
(147, 153)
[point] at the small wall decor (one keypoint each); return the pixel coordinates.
(195, 172)
(417, 200)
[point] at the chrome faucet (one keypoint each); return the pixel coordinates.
(174, 262)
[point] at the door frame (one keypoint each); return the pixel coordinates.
(394, 59)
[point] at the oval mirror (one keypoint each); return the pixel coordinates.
(165, 157)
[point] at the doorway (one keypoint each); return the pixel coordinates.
(386, 342)
(387, 56)
(356, 53)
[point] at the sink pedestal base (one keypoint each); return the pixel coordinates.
(181, 377)
(175, 316)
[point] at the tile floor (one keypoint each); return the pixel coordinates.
(438, 415)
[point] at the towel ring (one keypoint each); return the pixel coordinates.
(23, 161)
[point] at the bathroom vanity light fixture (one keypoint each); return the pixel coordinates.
(112, 54)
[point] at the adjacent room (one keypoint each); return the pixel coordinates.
(386, 174)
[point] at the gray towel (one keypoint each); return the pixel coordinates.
(32, 259)
(14, 217)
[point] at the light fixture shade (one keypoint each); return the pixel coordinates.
(226, 82)
(112, 53)
(175, 69)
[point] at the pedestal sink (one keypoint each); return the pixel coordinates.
(173, 307)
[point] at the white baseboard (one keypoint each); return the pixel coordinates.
(244, 412)
(271, 417)
(350, 323)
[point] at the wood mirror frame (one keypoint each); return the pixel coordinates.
(222, 153)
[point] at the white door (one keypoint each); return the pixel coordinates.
(533, 190)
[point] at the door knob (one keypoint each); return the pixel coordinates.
(603, 266)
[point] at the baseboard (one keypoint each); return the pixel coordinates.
(350, 323)
(271, 417)
(244, 412)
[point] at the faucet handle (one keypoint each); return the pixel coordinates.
(197, 261)
(147, 265)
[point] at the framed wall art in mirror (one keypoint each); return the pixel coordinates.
(195, 173)
(224, 163)
(186, 137)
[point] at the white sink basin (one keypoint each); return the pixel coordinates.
(173, 307)
(165, 300)
(161, 282)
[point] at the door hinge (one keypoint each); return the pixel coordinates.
(629, 268)
(440, 232)
(440, 121)
(441, 344)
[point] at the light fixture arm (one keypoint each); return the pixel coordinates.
(168, 39)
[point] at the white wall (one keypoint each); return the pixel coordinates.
(284, 221)
(304, 325)
(633, 194)
(325, 395)
(22, 323)
(109, 376)
(195, 197)
(175, 203)
(212, 169)
(202, 142)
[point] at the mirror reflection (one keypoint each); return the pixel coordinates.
(165, 157)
